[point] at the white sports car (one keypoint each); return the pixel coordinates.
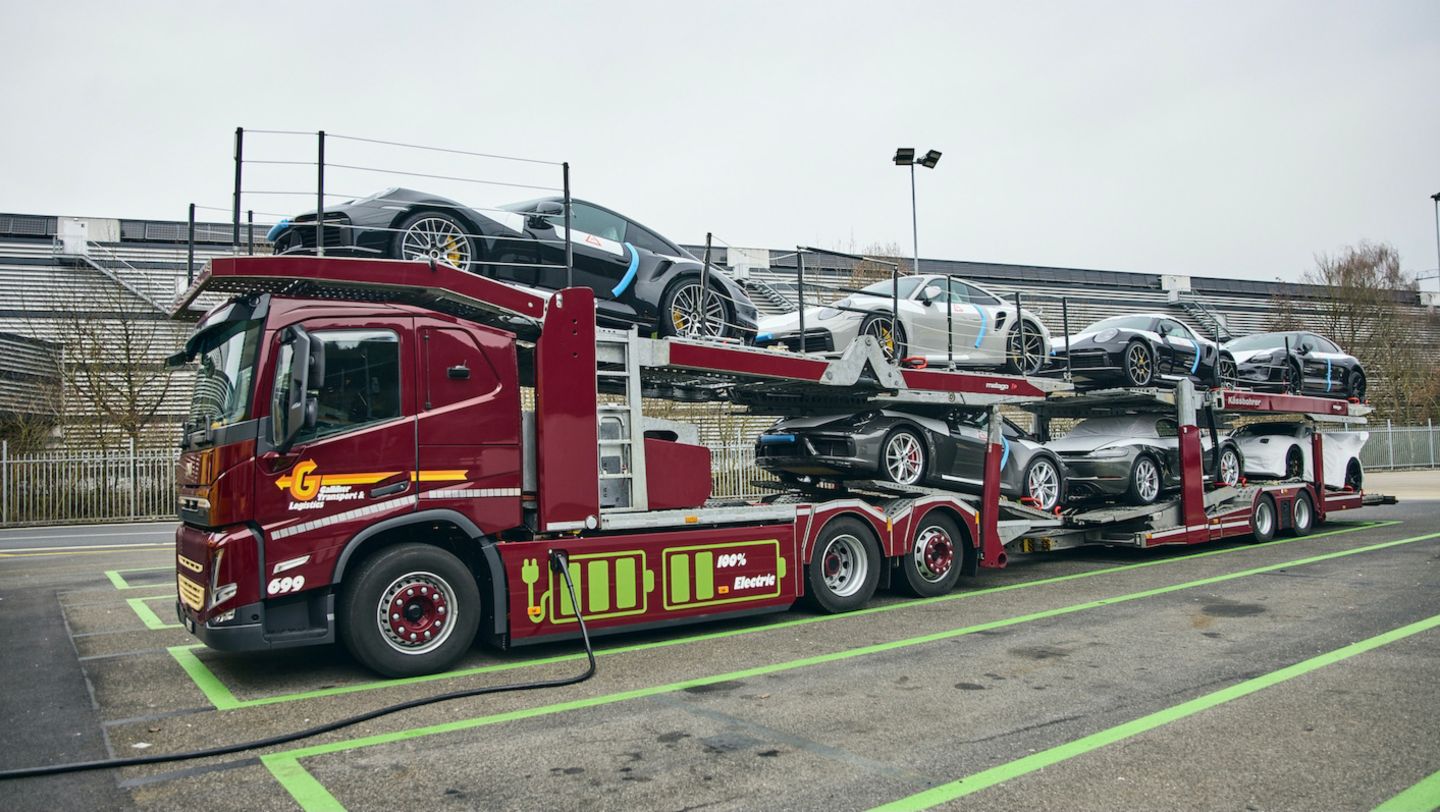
(934, 312)
(1283, 451)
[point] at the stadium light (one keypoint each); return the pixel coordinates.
(905, 156)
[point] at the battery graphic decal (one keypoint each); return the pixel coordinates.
(606, 585)
(716, 574)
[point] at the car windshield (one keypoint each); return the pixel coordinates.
(1120, 322)
(1114, 426)
(526, 206)
(226, 366)
(1264, 341)
(905, 286)
(1266, 429)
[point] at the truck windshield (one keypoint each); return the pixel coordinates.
(223, 377)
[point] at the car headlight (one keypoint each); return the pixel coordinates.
(1106, 334)
(827, 313)
(1108, 453)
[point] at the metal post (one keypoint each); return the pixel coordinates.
(1065, 323)
(949, 318)
(1390, 435)
(320, 196)
(4, 481)
(1430, 433)
(239, 162)
(190, 248)
(800, 291)
(705, 285)
(914, 220)
(134, 480)
(895, 311)
(569, 248)
(1020, 325)
(250, 235)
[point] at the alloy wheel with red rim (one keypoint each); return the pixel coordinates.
(416, 612)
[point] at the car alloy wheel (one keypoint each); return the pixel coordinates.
(892, 340)
(1228, 373)
(1229, 467)
(1294, 378)
(437, 238)
(1042, 484)
(904, 458)
(697, 312)
(1357, 385)
(1146, 480)
(1139, 365)
(1294, 463)
(1029, 359)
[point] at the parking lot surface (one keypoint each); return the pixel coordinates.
(1299, 674)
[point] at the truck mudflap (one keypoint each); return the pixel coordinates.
(650, 578)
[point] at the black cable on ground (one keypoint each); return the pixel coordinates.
(558, 563)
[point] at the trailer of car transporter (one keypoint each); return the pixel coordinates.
(359, 467)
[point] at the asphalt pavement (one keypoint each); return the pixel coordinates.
(1300, 674)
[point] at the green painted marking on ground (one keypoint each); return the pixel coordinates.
(204, 678)
(1045, 758)
(147, 615)
(118, 581)
(302, 786)
(307, 786)
(194, 665)
(1423, 797)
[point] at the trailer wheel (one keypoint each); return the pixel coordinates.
(932, 565)
(1144, 481)
(844, 567)
(409, 609)
(1302, 515)
(1262, 520)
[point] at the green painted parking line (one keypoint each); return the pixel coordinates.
(1045, 758)
(119, 581)
(147, 615)
(223, 699)
(311, 795)
(1423, 797)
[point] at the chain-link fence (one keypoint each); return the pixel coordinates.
(1392, 447)
(70, 487)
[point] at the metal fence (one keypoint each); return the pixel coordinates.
(68, 487)
(1393, 447)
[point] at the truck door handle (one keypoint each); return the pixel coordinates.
(388, 490)
(274, 462)
(459, 372)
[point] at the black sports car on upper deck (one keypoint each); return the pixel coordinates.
(638, 276)
(946, 450)
(1142, 349)
(1298, 362)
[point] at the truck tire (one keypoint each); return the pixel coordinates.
(932, 564)
(844, 567)
(1302, 514)
(408, 610)
(1263, 519)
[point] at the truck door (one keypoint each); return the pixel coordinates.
(353, 465)
(469, 423)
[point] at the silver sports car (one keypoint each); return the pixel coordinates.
(935, 312)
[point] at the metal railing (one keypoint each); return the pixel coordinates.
(71, 487)
(1392, 447)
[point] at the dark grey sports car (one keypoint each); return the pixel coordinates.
(1136, 457)
(1142, 349)
(638, 276)
(1298, 362)
(946, 451)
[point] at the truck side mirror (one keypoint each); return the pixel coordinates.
(293, 407)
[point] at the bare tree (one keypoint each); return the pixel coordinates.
(878, 263)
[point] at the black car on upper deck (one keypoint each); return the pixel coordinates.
(638, 276)
(1144, 349)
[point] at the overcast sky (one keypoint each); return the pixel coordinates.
(1208, 138)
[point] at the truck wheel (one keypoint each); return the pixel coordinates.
(932, 565)
(1144, 481)
(1302, 515)
(844, 567)
(409, 609)
(1262, 520)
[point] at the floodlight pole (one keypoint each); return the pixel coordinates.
(1436, 197)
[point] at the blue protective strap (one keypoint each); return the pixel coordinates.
(981, 335)
(1005, 453)
(629, 272)
(1196, 363)
(1327, 375)
(276, 229)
